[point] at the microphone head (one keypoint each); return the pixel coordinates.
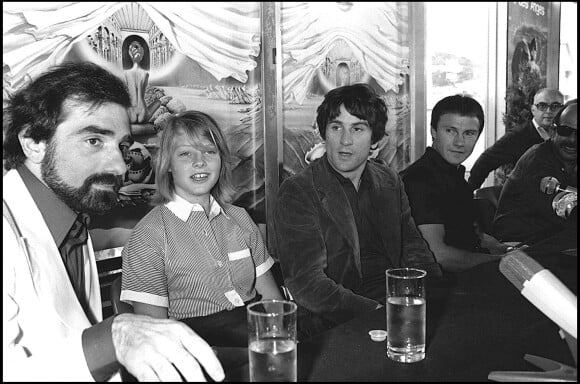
(564, 203)
(518, 267)
(549, 185)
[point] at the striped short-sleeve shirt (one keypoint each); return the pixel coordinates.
(193, 264)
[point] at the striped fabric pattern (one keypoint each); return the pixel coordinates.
(178, 258)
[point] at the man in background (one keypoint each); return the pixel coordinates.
(513, 144)
(441, 200)
(525, 212)
(63, 151)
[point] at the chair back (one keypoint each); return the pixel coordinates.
(486, 200)
(118, 305)
(489, 193)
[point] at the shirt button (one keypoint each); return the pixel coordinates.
(220, 264)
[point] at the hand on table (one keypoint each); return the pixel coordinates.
(160, 349)
(165, 99)
(494, 246)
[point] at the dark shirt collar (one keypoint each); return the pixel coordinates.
(58, 216)
(345, 180)
(431, 154)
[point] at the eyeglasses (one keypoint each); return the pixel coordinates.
(544, 106)
(564, 130)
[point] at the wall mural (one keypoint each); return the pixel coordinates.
(527, 39)
(173, 57)
(327, 45)
(527, 65)
(162, 82)
(206, 56)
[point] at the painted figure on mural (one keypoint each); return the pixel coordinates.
(342, 75)
(136, 75)
(525, 55)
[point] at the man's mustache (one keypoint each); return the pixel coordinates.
(105, 178)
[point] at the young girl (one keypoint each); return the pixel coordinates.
(195, 257)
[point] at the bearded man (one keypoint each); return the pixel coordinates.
(63, 149)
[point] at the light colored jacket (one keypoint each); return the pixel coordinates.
(43, 319)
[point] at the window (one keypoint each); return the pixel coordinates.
(568, 50)
(456, 61)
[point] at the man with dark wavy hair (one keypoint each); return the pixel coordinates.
(63, 151)
(344, 220)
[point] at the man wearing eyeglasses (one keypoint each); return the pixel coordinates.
(525, 212)
(513, 144)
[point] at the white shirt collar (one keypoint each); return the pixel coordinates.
(182, 208)
(541, 131)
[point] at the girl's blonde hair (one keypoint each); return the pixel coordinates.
(196, 125)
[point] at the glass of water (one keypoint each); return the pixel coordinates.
(406, 314)
(272, 340)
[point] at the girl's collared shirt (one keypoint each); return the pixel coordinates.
(192, 263)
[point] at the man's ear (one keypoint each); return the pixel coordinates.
(34, 151)
(433, 134)
(551, 131)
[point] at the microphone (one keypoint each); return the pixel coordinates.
(542, 289)
(549, 185)
(566, 198)
(564, 204)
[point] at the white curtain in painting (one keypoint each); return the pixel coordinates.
(221, 36)
(377, 33)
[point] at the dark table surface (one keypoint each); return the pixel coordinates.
(477, 322)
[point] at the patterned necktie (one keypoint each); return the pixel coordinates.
(71, 251)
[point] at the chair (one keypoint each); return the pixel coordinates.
(118, 305)
(486, 200)
(489, 193)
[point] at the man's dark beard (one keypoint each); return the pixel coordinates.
(84, 199)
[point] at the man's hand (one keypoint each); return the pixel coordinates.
(160, 349)
(165, 99)
(494, 246)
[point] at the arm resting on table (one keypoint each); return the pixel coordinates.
(451, 258)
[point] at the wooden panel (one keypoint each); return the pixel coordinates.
(417, 80)
(553, 79)
(272, 107)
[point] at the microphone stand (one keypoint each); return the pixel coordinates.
(553, 370)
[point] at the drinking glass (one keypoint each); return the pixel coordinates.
(272, 340)
(406, 314)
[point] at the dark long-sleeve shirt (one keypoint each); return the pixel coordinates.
(318, 245)
(524, 212)
(506, 150)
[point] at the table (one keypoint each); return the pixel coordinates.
(477, 322)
